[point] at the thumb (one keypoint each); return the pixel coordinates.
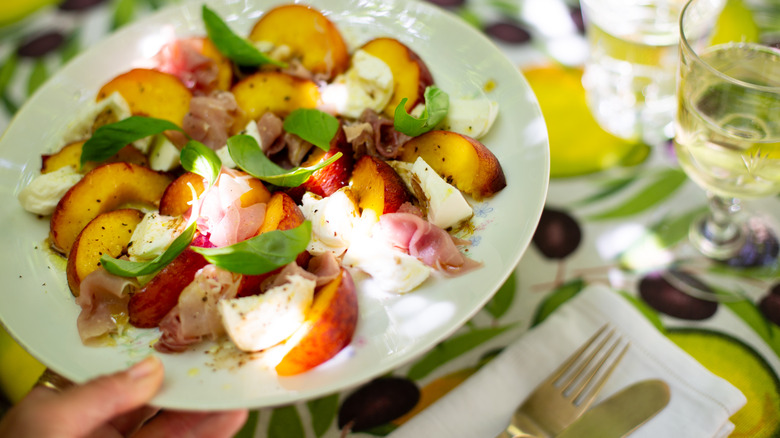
(88, 406)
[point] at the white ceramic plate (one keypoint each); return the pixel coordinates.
(38, 310)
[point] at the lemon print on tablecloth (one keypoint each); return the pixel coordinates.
(737, 362)
(14, 10)
(18, 370)
(735, 21)
(578, 145)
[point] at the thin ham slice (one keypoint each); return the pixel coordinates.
(195, 317)
(103, 297)
(210, 118)
(429, 243)
(221, 215)
(387, 141)
(184, 59)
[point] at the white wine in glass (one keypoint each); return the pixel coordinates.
(727, 132)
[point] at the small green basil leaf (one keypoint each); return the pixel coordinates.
(262, 253)
(312, 125)
(239, 50)
(199, 158)
(247, 155)
(109, 139)
(127, 268)
(437, 103)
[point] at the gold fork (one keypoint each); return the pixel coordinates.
(568, 392)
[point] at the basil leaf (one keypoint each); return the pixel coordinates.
(239, 50)
(312, 125)
(198, 158)
(109, 139)
(437, 103)
(127, 268)
(247, 155)
(262, 253)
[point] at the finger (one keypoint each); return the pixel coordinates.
(85, 407)
(174, 424)
(129, 423)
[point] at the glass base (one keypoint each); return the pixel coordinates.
(751, 244)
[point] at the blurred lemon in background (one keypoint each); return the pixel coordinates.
(578, 145)
(18, 370)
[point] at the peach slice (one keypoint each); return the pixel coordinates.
(460, 160)
(281, 213)
(103, 189)
(324, 182)
(151, 93)
(377, 186)
(328, 328)
(109, 233)
(276, 92)
(151, 303)
(410, 74)
(70, 155)
(178, 196)
(309, 35)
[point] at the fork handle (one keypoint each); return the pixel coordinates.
(512, 432)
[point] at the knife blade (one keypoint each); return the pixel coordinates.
(622, 413)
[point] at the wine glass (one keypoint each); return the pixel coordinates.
(727, 128)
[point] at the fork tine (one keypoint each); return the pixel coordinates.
(571, 360)
(583, 364)
(594, 389)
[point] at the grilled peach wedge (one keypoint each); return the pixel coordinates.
(309, 35)
(272, 91)
(151, 93)
(109, 233)
(377, 186)
(70, 155)
(178, 197)
(460, 160)
(103, 189)
(328, 328)
(410, 74)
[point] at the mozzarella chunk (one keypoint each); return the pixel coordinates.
(153, 235)
(260, 321)
(44, 192)
(446, 205)
(163, 154)
(472, 117)
(391, 269)
(367, 84)
(109, 110)
(332, 221)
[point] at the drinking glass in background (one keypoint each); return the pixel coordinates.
(630, 73)
(727, 133)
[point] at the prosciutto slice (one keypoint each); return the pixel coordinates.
(429, 243)
(196, 317)
(387, 141)
(222, 217)
(103, 298)
(210, 118)
(184, 59)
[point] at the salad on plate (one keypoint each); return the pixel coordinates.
(240, 187)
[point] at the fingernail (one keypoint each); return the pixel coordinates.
(144, 368)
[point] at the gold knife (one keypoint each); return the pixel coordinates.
(621, 413)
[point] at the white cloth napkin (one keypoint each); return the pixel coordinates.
(700, 405)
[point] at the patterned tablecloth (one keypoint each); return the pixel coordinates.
(615, 212)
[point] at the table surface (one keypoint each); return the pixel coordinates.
(629, 219)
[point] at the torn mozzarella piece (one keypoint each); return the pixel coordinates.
(44, 192)
(367, 84)
(261, 321)
(391, 269)
(332, 221)
(109, 110)
(164, 156)
(445, 203)
(472, 117)
(153, 235)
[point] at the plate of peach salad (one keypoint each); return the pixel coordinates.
(280, 200)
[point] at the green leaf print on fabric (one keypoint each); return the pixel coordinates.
(660, 188)
(559, 296)
(502, 300)
(323, 411)
(286, 423)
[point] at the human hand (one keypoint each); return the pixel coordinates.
(113, 406)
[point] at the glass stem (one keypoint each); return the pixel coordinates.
(720, 227)
(718, 235)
